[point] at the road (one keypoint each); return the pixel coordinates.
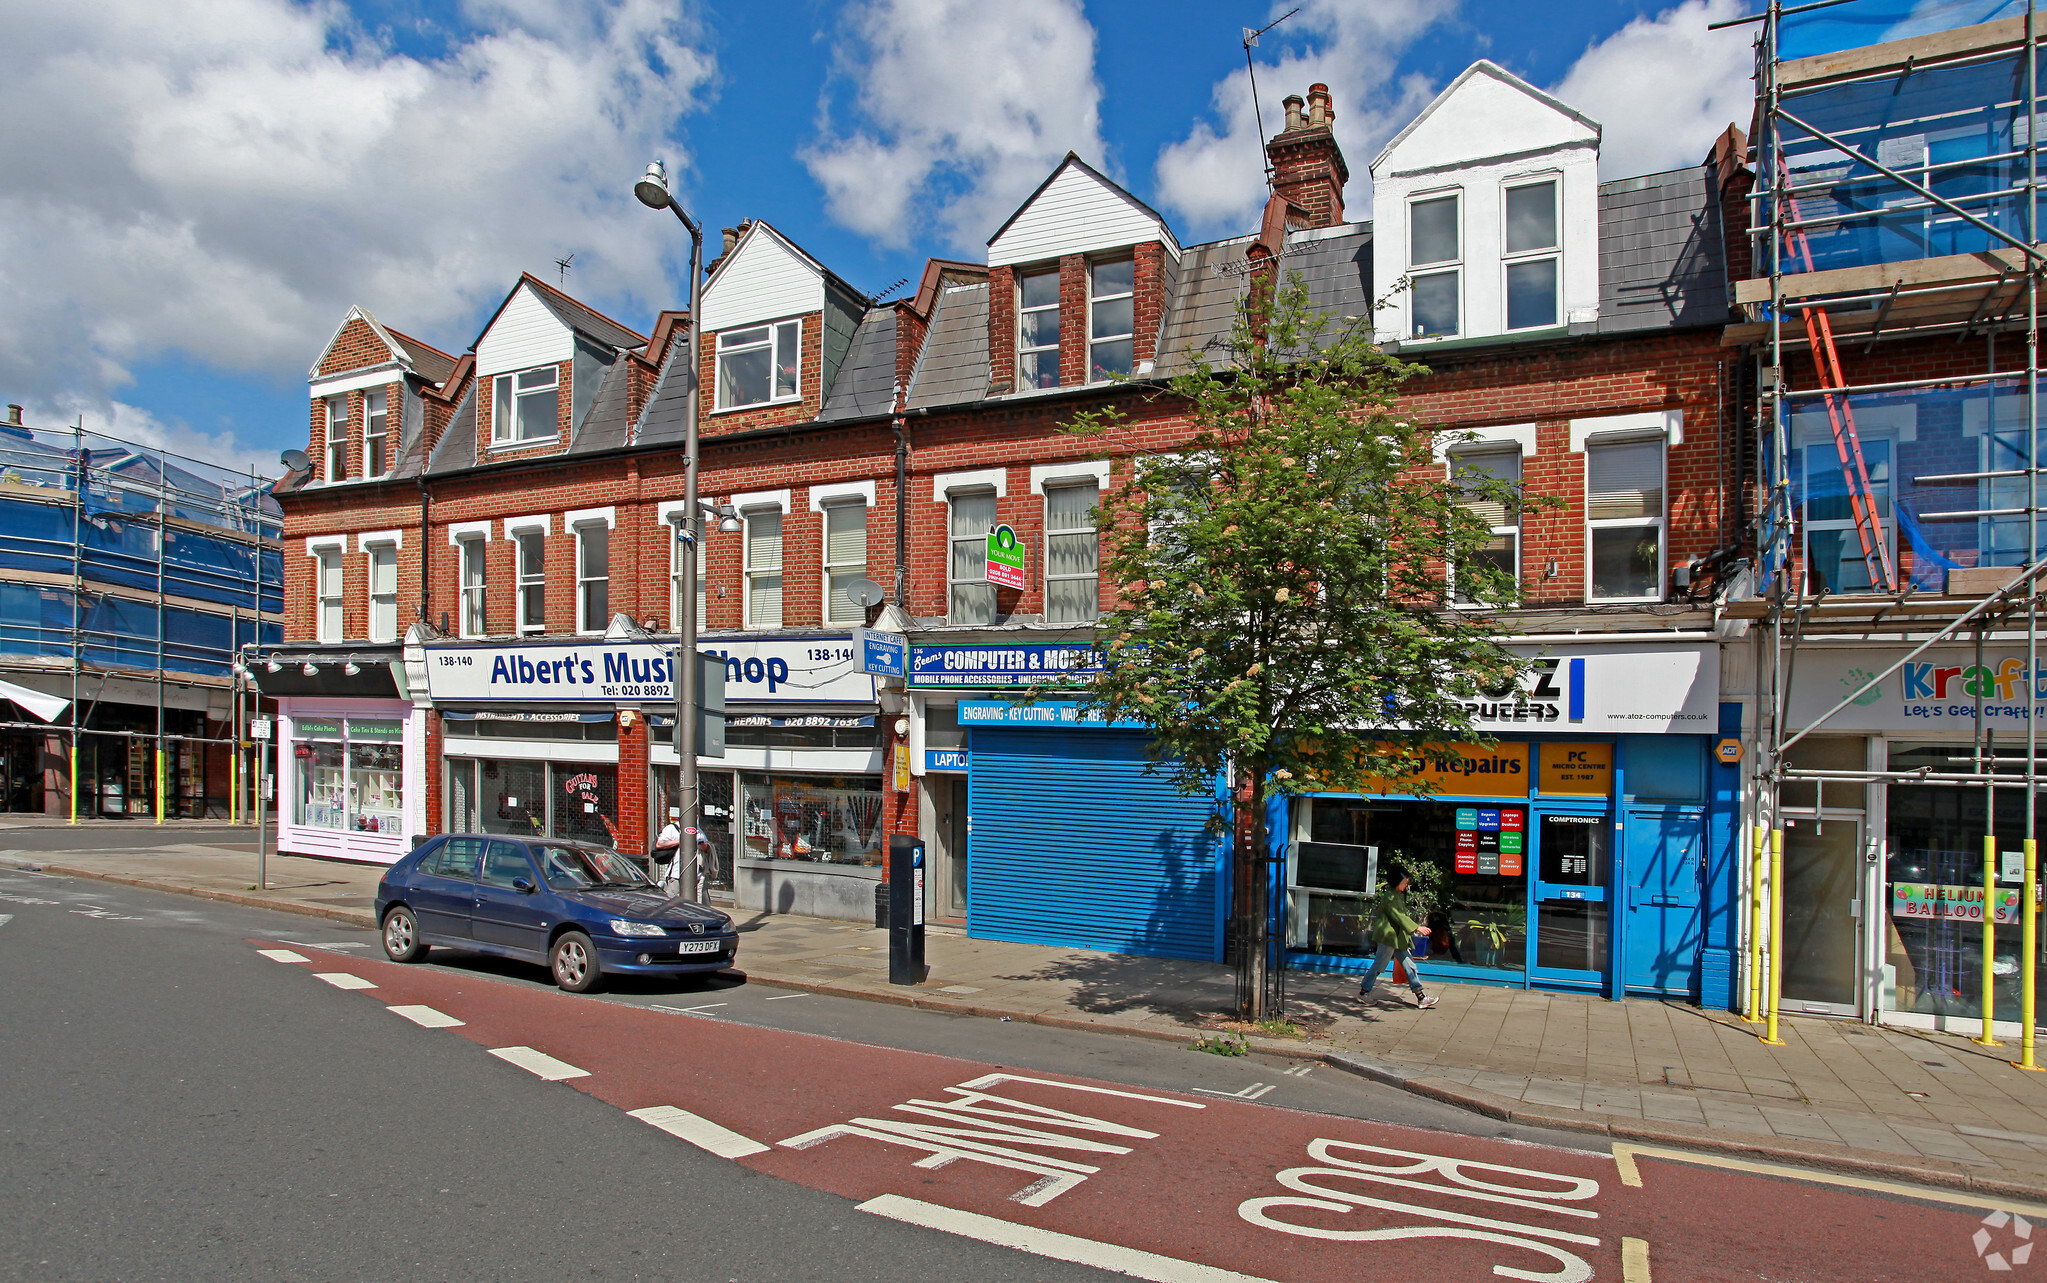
(204, 1090)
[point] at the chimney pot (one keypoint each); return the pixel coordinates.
(1307, 167)
(731, 238)
(1319, 112)
(1293, 112)
(14, 415)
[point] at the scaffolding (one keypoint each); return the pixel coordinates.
(132, 576)
(1895, 201)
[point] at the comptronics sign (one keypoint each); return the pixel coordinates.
(999, 667)
(1940, 687)
(1622, 689)
(800, 670)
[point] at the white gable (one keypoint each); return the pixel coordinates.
(1076, 213)
(1485, 114)
(526, 333)
(764, 279)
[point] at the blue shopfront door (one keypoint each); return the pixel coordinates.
(1573, 869)
(1663, 866)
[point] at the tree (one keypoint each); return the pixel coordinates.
(1304, 591)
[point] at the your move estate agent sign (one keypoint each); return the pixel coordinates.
(783, 670)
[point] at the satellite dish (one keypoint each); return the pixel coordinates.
(296, 460)
(866, 592)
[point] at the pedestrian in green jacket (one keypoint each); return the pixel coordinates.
(1394, 930)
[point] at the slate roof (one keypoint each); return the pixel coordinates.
(605, 426)
(661, 422)
(865, 386)
(1662, 252)
(428, 361)
(953, 367)
(457, 449)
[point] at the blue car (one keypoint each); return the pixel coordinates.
(582, 911)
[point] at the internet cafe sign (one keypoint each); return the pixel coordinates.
(1621, 689)
(1939, 688)
(794, 670)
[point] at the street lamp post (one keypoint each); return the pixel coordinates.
(652, 190)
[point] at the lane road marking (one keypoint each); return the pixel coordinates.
(1049, 1243)
(1253, 1092)
(342, 980)
(539, 1062)
(699, 1131)
(1624, 1157)
(1635, 1260)
(282, 955)
(426, 1016)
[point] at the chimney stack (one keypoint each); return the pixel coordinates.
(1308, 168)
(731, 239)
(14, 416)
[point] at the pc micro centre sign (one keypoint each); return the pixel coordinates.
(785, 670)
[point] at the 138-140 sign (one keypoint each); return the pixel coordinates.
(1005, 558)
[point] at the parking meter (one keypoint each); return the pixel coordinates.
(905, 911)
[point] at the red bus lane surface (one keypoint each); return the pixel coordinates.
(1250, 1190)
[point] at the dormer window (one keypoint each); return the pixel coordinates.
(1433, 257)
(1037, 330)
(1112, 319)
(1531, 257)
(337, 438)
(760, 365)
(528, 406)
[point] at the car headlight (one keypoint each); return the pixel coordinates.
(624, 928)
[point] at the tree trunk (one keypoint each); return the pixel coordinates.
(1252, 961)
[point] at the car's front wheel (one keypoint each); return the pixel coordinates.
(401, 936)
(574, 960)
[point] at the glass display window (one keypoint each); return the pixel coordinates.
(828, 819)
(351, 774)
(577, 801)
(714, 816)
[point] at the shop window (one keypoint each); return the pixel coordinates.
(972, 597)
(473, 554)
(593, 577)
(376, 434)
(527, 407)
(1531, 263)
(1502, 553)
(1112, 321)
(764, 568)
(845, 560)
(1037, 330)
(1624, 513)
(832, 820)
(714, 817)
(1072, 553)
(383, 588)
(1434, 254)
(336, 437)
(575, 801)
(327, 595)
(759, 365)
(350, 774)
(531, 548)
(1669, 768)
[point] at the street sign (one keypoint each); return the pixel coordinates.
(1005, 558)
(882, 654)
(259, 728)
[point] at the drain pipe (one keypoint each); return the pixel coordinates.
(425, 507)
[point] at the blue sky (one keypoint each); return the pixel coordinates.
(278, 162)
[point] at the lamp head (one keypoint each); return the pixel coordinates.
(274, 666)
(728, 519)
(351, 668)
(310, 670)
(652, 189)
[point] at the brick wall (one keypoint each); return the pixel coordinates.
(357, 347)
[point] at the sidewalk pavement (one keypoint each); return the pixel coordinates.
(1928, 1108)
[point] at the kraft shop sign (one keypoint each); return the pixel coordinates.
(1941, 687)
(800, 670)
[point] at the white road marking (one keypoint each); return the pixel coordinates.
(6, 918)
(282, 955)
(538, 1062)
(778, 997)
(1298, 1071)
(1635, 1260)
(1049, 1243)
(1625, 1155)
(1253, 1092)
(342, 980)
(699, 1131)
(426, 1016)
(686, 1011)
(308, 944)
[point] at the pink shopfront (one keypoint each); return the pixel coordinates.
(351, 781)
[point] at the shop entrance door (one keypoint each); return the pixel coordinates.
(1665, 853)
(1822, 861)
(1573, 865)
(947, 889)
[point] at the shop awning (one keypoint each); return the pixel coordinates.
(47, 707)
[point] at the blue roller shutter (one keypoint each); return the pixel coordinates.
(1073, 844)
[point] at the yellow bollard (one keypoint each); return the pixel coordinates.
(1776, 935)
(74, 779)
(234, 797)
(159, 785)
(1989, 941)
(1757, 847)
(2029, 934)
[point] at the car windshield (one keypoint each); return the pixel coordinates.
(571, 868)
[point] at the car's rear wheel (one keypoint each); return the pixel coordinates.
(574, 960)
(401, 936)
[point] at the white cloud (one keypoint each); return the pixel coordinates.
(221, 179)
(1664, 87)
(960, 109)
(1215, 176)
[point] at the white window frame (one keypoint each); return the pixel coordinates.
(382, 554)
(952, 583)
(1887, 511)
(1510, 530)
(752, 571)
(376, 427)
(472, 550)
(857, 614)
(676, 543)
(773, 334)
(329, 602)
(1094, 528)
(1094, 298)
(1021, 351)
(1513, 259)
(1661, 522)
(509, 430)
(526, 578)
(335, 437)
(585, 527)
(1453, 267)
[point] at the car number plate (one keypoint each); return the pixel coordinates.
(698, 946)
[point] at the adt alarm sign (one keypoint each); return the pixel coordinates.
(883, 654)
